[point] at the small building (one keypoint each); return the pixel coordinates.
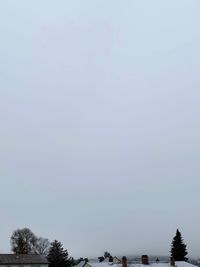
(23, 260)
(116, 260)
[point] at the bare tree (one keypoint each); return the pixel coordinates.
(24, 241)
(42, 246)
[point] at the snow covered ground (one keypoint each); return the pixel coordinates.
(107, 264)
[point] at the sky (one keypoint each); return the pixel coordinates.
(99, 113)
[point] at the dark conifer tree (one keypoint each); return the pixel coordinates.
(58, 257)
(106, 254)
(178, 248)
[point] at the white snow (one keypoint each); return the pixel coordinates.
(107, 264)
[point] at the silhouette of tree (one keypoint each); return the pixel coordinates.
(23, 241)
(178, 248)
(58, 257)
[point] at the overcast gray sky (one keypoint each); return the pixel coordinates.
(99, 113)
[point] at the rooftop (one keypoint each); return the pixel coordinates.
(18, 259)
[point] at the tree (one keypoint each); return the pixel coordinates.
(42, 246)
(23, 241)
(106, 254)
(57, 256)
(178, 248)
(101, 258)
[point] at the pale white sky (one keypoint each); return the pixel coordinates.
(99, 113)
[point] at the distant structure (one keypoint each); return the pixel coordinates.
(28, 260)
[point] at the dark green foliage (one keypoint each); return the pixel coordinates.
(101, 258)
(178, 248)
(71, 262)
(106, 254)
(58, 257)
(23, 241)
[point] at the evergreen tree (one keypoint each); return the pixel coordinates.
(106, 254)
(58, 257)
(178, 248)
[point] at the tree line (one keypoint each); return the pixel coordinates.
(24, 241)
